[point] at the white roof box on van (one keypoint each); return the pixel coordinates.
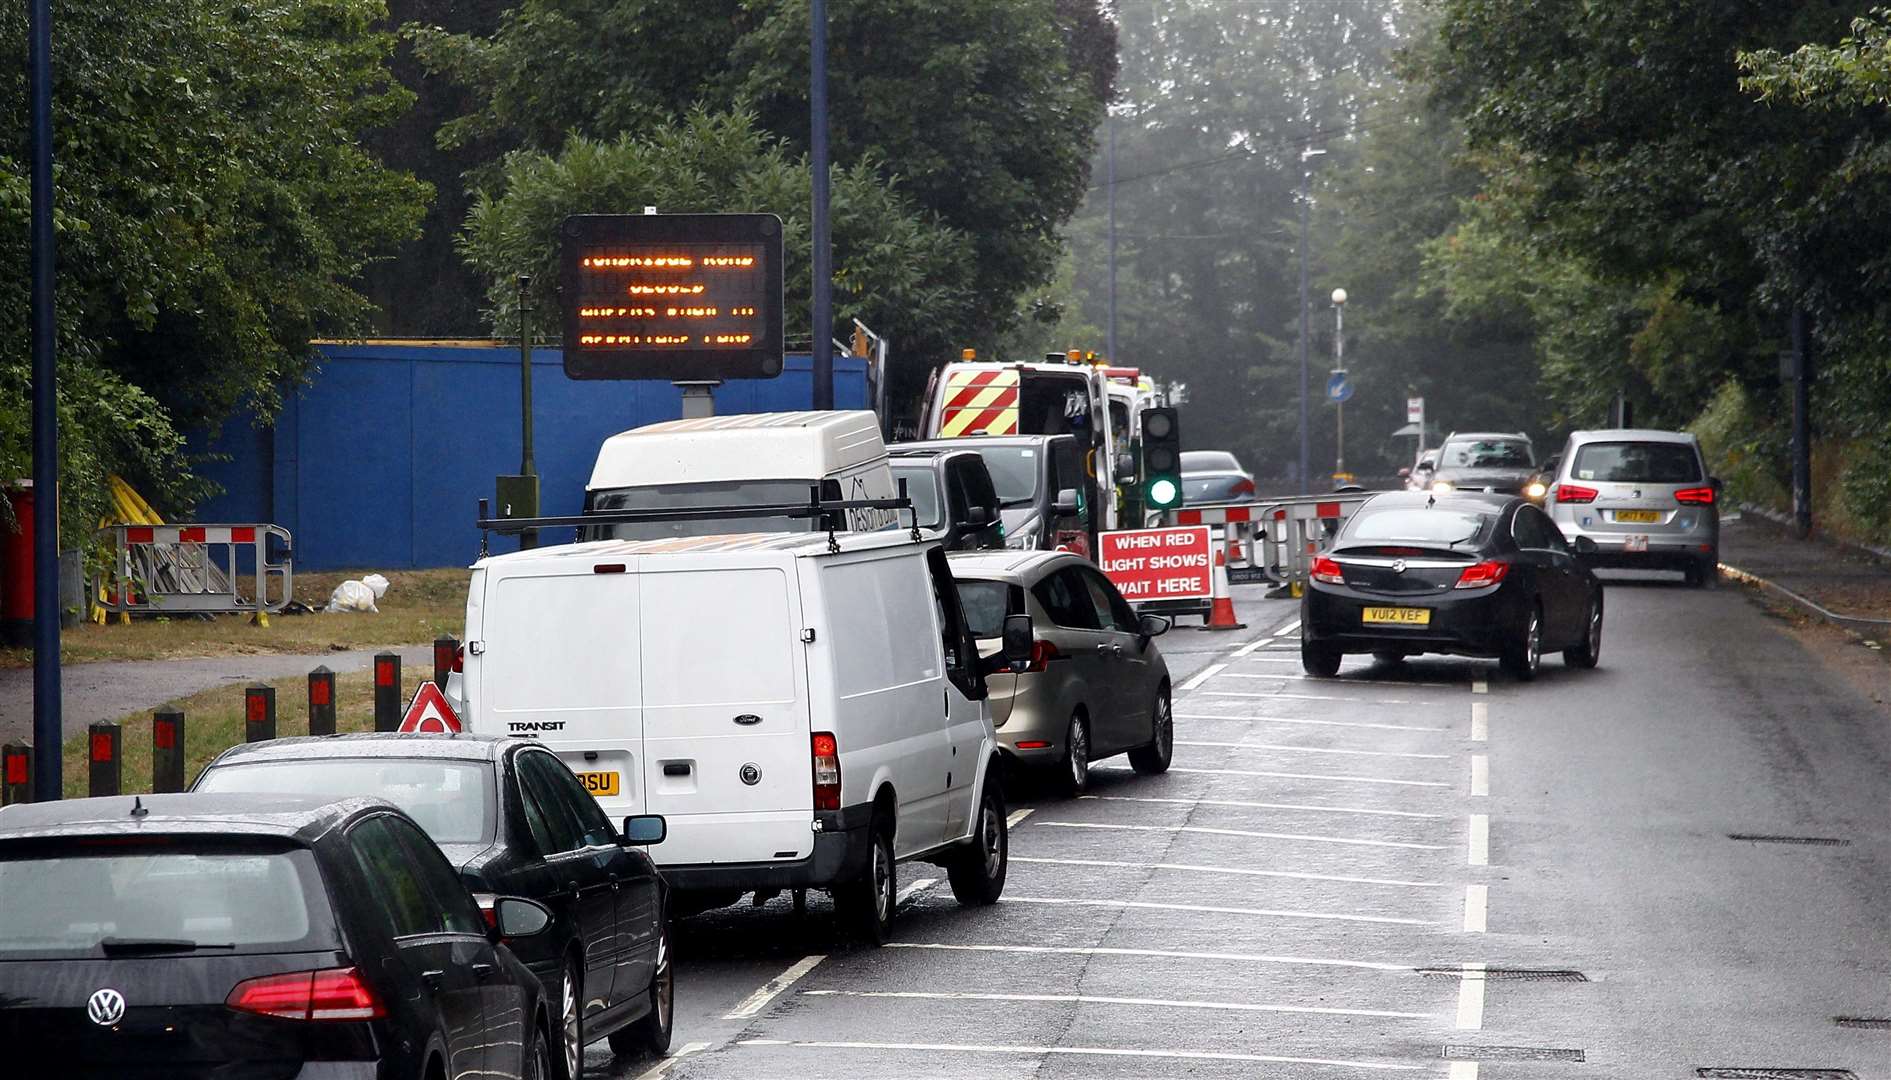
(749, 446)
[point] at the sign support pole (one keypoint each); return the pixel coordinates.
(527, 468)
(823, 306)
(48, 721)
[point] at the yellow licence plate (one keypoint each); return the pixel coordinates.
(1399, 616)
(599, 783)
(1643, 517)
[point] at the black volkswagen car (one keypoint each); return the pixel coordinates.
(514, 821)
(1469, 575)
(254, 936)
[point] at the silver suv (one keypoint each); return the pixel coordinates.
(1643, 496)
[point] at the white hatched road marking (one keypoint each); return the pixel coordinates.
(1238, 871)
(1265, 805)
(1303, 720)
(1279, 747)
(1278, 913)
(1480, 686)
(1017, 817)
(1471, 998)
(1480, 721)
(1288, 776)
(1476, 907)
(1081, 1051)
(1165, 954)
(1297, 697)
(756, 1002)
(913, 890)
(1089, 999)
(1348, 840)
(1480, 840)
(1480, 774)
(1201, 677)
(1337, 681)
(662, 1067)
(1463, 1070)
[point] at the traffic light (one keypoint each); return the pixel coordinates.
(1161, 459)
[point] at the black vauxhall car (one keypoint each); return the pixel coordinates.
(1469, 575)
(253, 937)
(513, 820)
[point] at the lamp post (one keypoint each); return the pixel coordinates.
(1306, 311)
(1339, 367)
(821, 309)
(48, 719)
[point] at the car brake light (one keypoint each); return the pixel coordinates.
(1042, 653)
(459, 659)
(1327, 570)
(332, 994)
(1575, 493)
(1700, 496)
(1482, 575)
(826, 771)
(1244, 487)
(488, 908)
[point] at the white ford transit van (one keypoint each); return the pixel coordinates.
(805, 710)
(741, 460)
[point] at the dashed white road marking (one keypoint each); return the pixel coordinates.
(1202, 829)
(1287, 628)
(1336, 681)
(1342, 777)
(1265, 805)
(1471, 998)
(1295, 697)
(1480, 840)
(1237, 871)
(1017, 817)
(756, 1002)
(662, 1067)
(1480, 686)
(1309, 722)
(1476, 907)
(1250, 647)
(1463, 1070)
(1081, 1051)
(1090, 999)
(1277, 747)
(1163, 954)
(1202, 676)
(1210, 909)
(913, 890)
(1252, 658)
(1480, 774)
(1480, 721)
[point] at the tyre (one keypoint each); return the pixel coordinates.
(1074, 776)
(1388, 656)
(1153, 759)
(1524, 656)
(866, 904)
(1589, 652)
(977, 873)
(651, 1033)
(570, 1020)
(537, 1063)
(1321, 661)
(1702, 574)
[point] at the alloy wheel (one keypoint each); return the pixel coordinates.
(1533, 642)
(665, 982)
(570, 1022)
(1079, 754)
(992, 838)
(882, 883)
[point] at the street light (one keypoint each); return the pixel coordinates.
(1339, 368)
(1307, 154)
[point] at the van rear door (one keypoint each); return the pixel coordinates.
(560, 664)
(725, 699)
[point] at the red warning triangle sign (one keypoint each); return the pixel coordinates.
(429, 712)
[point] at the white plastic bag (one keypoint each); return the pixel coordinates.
(377, 583)
(354, 595)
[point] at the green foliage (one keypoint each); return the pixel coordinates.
(896, 268)
(214, 205)
(1852, 74)
(1739, 437)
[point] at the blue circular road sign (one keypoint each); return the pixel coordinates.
(1339, 387)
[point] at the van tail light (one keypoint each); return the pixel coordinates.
(1243, 487)
(826, 771)
(331, 994)
(488, 908)
(1482, 575)
(1326, 570)
(1575, 493)
(1042, 653)
(1700, 496)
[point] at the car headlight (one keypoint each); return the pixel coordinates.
(1535, 490)
(1442, 487)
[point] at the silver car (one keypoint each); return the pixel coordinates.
(1644, 497)
(1096, 686)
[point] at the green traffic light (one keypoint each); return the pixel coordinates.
(1163, 493)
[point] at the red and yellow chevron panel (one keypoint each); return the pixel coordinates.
(980, 401)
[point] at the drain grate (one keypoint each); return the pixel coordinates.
(1509, 974)
(1777, 1074)
(1880, 1023)
(1509, 1053)
(1814, 841)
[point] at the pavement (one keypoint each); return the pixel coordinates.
(1418, 869)
(1842, 583)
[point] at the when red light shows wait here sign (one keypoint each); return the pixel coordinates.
(1158, 564)
(685, 297)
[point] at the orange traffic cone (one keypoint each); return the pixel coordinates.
(1221, 610)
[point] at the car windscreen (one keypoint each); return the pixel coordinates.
(157, 895)
(451, 800)
(1419, 525)
(1637, 463)
(1197, 488)
(1485, 454)
(922, 486)
(1014, 471)
(986, 603)
(1209, 461)
(717, 493)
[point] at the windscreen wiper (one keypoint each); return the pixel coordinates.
(118, 946)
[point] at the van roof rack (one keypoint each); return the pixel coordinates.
(817, 508)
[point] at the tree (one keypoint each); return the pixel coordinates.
(214, 206)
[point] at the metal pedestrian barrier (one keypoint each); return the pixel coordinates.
(163, 569)
(1274, 540)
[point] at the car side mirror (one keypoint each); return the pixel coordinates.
(1586, 546)
(1405, 474)
(980, 516)
(517, 917)
(1715, 481)
(645, 829)
(1154, 625)
(1066, 503)
(1019, 639)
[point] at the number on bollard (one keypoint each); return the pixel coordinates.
(167, 751)
(259, 713)
(387, 692)
(321, 702)
(107, 773)
(16, 774)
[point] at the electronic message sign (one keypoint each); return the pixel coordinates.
(684, 297)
